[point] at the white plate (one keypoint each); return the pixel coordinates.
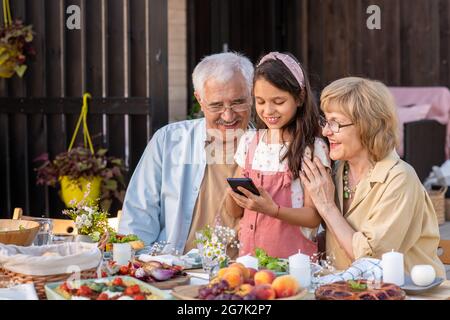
(411, 288)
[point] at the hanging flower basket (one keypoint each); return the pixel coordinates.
(84, 174)
(15, 45)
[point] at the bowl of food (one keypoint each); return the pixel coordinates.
(18, 232)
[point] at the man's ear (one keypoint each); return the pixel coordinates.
(197, 96)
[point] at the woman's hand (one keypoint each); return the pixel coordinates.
(263, 203)
(317, 180)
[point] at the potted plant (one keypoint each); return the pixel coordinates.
(74, 170)
(15, 48)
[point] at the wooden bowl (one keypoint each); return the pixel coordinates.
(190, 292)
(18, 232)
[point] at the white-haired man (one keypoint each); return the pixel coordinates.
(179, 185)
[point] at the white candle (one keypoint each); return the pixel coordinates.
(248, 261)
(423, 274)
(300, 268)
(393, 270)
(121, 253)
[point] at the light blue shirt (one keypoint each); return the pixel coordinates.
(163, 190)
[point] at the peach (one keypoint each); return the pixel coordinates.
(221, 272)
(285, 286)
(264, 277)
(244, 289)
(264, 292)
(244, 271)
(233, 277)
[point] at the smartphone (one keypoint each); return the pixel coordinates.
(246, 183)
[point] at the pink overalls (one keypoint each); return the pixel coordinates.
(257, 230)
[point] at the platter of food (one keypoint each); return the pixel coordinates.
(159, 275)
(111, 288)
(359, 290)
(236, 282)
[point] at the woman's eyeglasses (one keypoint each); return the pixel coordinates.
(332, 124)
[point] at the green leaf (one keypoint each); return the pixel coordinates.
(20, 70)
(356, 285)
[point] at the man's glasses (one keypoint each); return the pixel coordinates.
(220, 107)
(332, 124)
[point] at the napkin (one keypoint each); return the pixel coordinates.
(165, 258)
(20, 292)
(364, 268)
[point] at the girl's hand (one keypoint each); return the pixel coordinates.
(317, 180)
(263, 203)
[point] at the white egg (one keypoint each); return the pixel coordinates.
(423, 275)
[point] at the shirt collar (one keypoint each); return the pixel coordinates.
(380, 170)
(382, 167)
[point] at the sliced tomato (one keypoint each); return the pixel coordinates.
(84, 291)
(136, 289)
(118, 282)
(128, 291)
(139, 297)
(102, 296)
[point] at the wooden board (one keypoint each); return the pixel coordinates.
(439, 293)
(190, 292)
(172, 283)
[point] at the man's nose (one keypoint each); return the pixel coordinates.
(228, 115)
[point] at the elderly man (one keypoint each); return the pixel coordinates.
(179, 185)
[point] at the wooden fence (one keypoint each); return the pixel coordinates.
(119, 55)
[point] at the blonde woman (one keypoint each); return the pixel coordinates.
(376, 203)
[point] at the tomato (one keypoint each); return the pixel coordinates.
(128, 291)
(102, 296)
(124, 270)
(84, 291)
(117, 282)
(132, 272)
(104, 274)
(136, 289)
(139, 297)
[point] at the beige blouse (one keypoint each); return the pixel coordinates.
(391, 210)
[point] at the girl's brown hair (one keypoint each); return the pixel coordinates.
(304, 126)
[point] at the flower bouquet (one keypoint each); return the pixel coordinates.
(89, 219)
(212, 244)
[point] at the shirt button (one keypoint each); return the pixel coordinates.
(195, 189)
(251, 227)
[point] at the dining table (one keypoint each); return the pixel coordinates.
(441, 292)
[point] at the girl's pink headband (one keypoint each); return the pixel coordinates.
(290, 63)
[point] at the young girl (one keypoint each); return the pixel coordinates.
(283, 218)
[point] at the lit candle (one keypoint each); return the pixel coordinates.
(300, 268)
(248, 261)
(393, 272)
(121, 253)
(423, 275)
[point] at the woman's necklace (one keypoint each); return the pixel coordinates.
(350, 192)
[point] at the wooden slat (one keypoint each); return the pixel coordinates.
(158, 64)
(137, 49)
(54, 30)
(116, 79)
(5, 168)
(444, 43)
(420, 29)
(19, 161)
